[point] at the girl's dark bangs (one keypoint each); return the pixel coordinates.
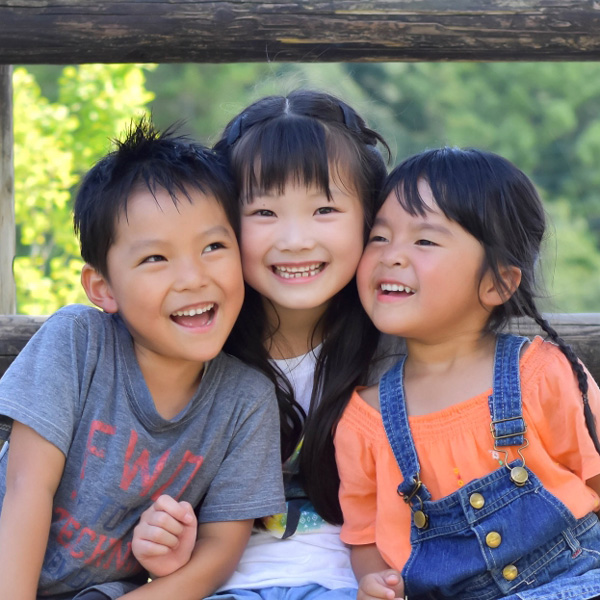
(447, 176)
(403, 182)
(276, 152)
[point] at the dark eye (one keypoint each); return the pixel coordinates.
(263, 212)
(212, 247)
(326, 210)
(377, 238)
(154, 258)
(425, 243)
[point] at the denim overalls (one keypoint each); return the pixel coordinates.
(500, 536)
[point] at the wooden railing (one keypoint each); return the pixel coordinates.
(581, 330)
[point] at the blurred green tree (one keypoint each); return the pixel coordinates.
(55, 143)
(545, 117)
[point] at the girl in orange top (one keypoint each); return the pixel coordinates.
(472, 471)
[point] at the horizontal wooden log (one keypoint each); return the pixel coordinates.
(581, 330)
(15, 331)
(163, 31)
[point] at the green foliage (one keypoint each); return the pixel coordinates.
(571, 262)
(55, 143)
(545, 117)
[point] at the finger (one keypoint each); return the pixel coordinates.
(180, 511)
(189, 516)
(165, 534)
(377, 589)
(144, 549)
(383, 594)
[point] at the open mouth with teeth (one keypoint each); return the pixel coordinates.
(195, 317)
(396, 289)
(300, 272)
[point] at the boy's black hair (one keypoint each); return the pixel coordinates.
(500, 207)
(309, 137)
(146, 158)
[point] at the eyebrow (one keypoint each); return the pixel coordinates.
(273, 193)
(216, 230)
(425, 226)
(422, 226)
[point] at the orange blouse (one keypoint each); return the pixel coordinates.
(455, 446)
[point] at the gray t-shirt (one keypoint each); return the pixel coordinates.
(78, 384)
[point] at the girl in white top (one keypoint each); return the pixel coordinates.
(309, 173)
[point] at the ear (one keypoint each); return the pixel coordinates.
(492, 294)
(98, 289)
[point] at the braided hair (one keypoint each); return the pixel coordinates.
(302, 138)
(498, 205)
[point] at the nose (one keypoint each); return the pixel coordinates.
(295, 235)
(394, 255)
(190, 274)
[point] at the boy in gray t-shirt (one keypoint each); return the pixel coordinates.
(113, 409)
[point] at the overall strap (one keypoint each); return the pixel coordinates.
(397, 429)
(508, 426)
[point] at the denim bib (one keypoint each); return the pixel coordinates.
(503, 535)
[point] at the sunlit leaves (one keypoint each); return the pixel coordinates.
(55, 143)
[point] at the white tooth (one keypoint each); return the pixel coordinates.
(193, 312)
(394, 287)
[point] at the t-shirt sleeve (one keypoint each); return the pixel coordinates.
(355, 456)
(558, 414)
(41, 387)
(249, 482)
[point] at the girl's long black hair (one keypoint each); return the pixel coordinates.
(498, 205)
(302, 137)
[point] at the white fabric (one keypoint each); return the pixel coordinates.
(300, 372)
(318, 557)
(314, 554)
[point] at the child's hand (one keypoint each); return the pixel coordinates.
(164, 538)
(384, 585)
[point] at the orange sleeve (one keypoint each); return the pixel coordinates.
(556, 404)
(356, 466)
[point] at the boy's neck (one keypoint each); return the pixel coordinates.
(172, 383)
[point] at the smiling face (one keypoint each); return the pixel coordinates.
(419, 276)
(300, 248)
(174, 276)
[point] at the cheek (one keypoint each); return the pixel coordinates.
(250, 252)
(252, 244)
(363, 277)
(234, 284)
(350, 244)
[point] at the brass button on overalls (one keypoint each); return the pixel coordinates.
(420, 519)
(493, 539)
(519, 476)
(510, 572)
(476, 500)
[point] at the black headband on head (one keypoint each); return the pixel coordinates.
(236, 129)
(349, 119)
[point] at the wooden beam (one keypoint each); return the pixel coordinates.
(125, 31)
(7, 201)
(15, 331)
(581, 330)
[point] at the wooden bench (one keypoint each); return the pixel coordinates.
(581, 330)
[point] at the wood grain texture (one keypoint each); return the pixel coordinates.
(125, 31)
(581, 330)
(7, 186)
